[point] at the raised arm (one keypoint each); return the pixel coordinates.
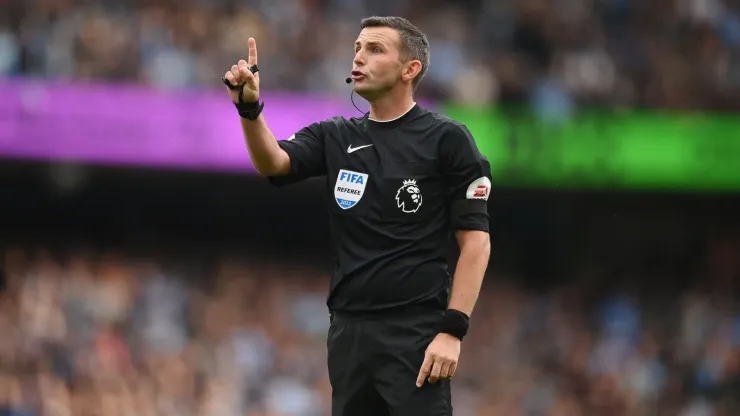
(243, 86)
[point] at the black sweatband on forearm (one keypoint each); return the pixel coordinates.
(250, 111)
(455, 323)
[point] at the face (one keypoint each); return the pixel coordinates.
(377, 66)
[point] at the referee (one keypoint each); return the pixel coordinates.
(401, 180)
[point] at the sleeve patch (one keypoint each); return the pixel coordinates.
(479, 189)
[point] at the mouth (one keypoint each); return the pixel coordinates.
(357, 75)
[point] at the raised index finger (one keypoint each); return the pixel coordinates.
(252, 52)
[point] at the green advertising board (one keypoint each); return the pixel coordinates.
(608, 150)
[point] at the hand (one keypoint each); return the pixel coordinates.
(241, 75)
(440, 359)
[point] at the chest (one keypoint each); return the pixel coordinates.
(376, 178)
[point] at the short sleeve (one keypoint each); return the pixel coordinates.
(306, 151)
(467, 179)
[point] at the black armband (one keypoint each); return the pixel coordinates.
(455, 323)
(469, 206)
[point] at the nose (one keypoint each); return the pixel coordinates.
(359, 59)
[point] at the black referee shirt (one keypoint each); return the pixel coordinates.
(397, 190)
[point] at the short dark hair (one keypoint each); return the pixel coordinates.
(414, 43)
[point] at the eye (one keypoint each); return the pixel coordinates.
(377, 50)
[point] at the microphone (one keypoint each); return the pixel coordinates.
(348, 80)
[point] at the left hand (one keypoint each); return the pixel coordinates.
(440, 359)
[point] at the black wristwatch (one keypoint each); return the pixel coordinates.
(250, 111)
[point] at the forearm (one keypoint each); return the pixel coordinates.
(471, 267)
(267, 157)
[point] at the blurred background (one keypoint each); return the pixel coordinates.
(145, 270)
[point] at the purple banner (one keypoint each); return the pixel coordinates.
(125, 125)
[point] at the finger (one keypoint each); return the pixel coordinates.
(436, 370)
(230, 77)
(444, 372)
(252, 52)
(426, 367)
(453, 368)
(237, 74)
(244, 71)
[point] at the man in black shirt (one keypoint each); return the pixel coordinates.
(401, 180)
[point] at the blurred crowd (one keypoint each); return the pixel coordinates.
(105, 334)
(553, 55)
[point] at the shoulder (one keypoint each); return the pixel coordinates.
(444, 124)
(339, 123)
(450, 131)
(331, 127)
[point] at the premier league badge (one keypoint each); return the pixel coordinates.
(408, 197)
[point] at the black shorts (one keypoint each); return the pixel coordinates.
(374, 362)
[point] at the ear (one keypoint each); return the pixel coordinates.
(412, 69)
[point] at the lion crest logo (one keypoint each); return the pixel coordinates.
(408, 197)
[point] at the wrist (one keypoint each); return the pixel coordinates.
(454, 323)
(249, 111)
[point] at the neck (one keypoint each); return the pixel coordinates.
(392, 105)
